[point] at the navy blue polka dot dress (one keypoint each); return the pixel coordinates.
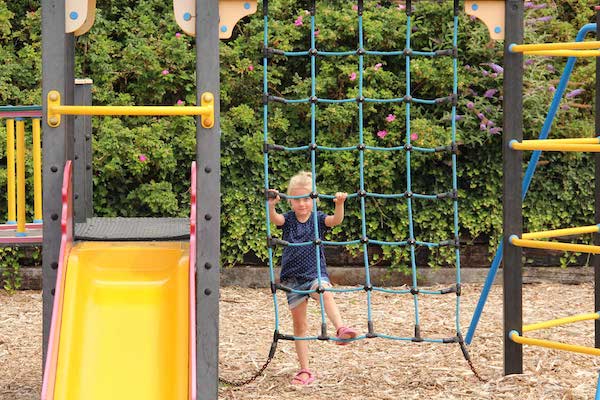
(300, 262)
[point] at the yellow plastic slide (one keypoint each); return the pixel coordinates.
(124, 329)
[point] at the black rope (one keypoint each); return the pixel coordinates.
(244, 382)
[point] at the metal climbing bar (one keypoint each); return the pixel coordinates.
(206, 110)
(560, 321)
(562, 232)
(550, 344)
(578, 45)
(531, 167)
(537, 244)
(560, 145)
(564, 53)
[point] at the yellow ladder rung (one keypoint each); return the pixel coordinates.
(562, 232)
(564, 53)
(553, 146)
(520, 48)
(538, 244)
(560, 321)
(550, 344)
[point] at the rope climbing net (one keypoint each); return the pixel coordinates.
(362, 194)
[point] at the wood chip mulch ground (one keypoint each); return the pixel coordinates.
(368, 369)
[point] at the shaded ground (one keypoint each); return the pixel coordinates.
(369, 369)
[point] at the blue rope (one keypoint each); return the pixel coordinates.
(362, 194)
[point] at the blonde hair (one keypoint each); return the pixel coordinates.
(302, 179)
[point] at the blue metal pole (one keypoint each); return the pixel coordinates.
(527, 178)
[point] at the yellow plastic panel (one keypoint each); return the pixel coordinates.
(124, 330)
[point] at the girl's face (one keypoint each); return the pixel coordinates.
(302, 207)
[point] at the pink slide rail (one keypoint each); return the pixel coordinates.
(66, 242)
(192, 275)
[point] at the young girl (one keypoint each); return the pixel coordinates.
(299, 264)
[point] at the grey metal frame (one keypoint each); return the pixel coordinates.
(208, 161)
(82, 159)
(57, 74)
(513, 206)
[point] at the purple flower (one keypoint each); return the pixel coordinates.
(547, 18)
(495, 131)
(575, 93)
(484, 73)
(496, 68)
(480, 116)
(529, 61)
(493, 75)
(458, 117)
(490, 93)
(390, 118)
(143, 158)
(490, 123)
(565, 107)
(482, 127)
(178, 35)
(470, 105)
(551, 89)
(382, 134)
(550, 68)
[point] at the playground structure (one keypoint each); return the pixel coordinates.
(172, 257)
(16, 225)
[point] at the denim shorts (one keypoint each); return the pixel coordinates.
(295, 299)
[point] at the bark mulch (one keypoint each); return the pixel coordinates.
(367, 369)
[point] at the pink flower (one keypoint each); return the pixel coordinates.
(316, 32)
(401, 7)
(298, 21)
(165, 72)
(551, 89)
(250, 67)
(352, 76)
(355, 7)
(178, 35)
(470, 105)
(414, 136)
(377, 66)
(382, 134)
(143, 158)
(390, 118)
(179, 102)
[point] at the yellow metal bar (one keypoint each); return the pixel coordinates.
(537, 244)
(130, 110)
(520, 48)
(562, 232)
(515, 337)
(10, 171)
(538, 145)
(593, 140)
(206, 110)
(564, 53)
(37, 170)
(21, 177)
(560, 321)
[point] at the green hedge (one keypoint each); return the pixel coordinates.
(135, 56)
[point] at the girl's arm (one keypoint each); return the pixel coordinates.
(276, 218)
(338, 214)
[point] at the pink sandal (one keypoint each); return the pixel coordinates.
(345, 334)
(298, 380)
